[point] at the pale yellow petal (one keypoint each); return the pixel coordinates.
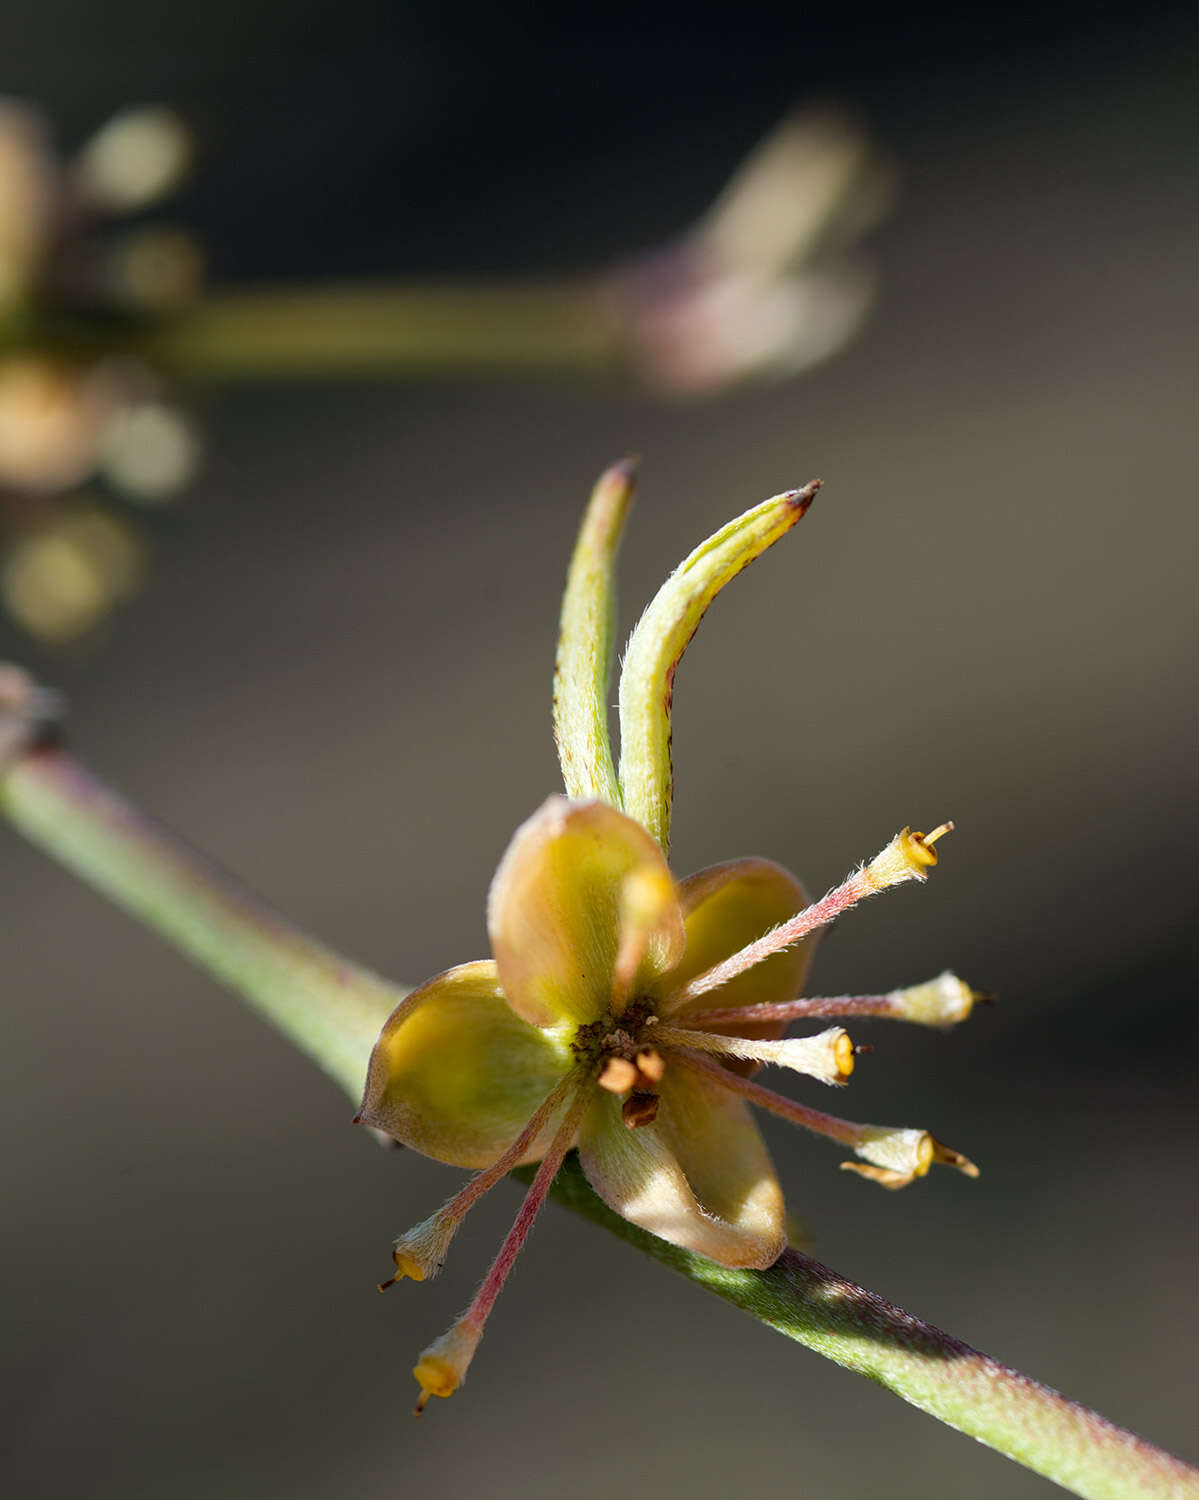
(699, 1176)
(456, 1074)
(554, 911)
(725, 908)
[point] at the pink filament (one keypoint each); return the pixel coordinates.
(815, 1120)
(819, 914)
(835, 1007)
(476, 1313)
(485, 1180)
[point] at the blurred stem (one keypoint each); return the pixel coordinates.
(356, 330)
(332, 1009)
(329, 1007)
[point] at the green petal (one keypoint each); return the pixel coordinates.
(725, 908)
(699, 1176)
(456, 1074)
(585, 643)
(661, 637)
(554, 910)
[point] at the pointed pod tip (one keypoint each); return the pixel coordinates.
(622, 473)
(801, 498)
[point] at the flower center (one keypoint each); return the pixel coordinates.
(624, 1059)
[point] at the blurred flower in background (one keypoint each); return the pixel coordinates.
(769, 281)
(103, 316)
(86, 431)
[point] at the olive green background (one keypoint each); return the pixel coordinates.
(337, 681)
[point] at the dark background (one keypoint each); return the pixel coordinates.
(337, 682)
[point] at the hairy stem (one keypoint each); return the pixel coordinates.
(332, 1009)
(858, 1330)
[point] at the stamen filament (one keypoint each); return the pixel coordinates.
(843, 1131)
(828, 1056)
(938, 1002)
(907, 857)
(420, 1252)
(895, 1155)
(477, 1312)
(442, 1367)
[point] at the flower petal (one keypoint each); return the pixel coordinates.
(725, 908)
(456, 1074)
(554, 910)
(699, 1176)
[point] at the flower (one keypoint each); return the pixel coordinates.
(77, 291)
(622, 1013)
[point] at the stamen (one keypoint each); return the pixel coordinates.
(938, 1002)
(639, 1109)
(651, 1066)
(421, 1252)
(442, 1367)
(618, 1075)
(897, 1155)
(907, 857)
(828, 1056)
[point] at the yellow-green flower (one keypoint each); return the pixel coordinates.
(623, 1013)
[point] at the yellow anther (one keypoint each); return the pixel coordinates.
(919, 846)
(908, 856)
(844, 1053)
(406, 1265)
(436, 1378)
(442, 1368)
(899, 1156)
(421, 1251)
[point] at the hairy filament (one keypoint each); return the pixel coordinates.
(894, 1155)
(939, 1002)
(442, 1368)
(828, 1056)
(844, 1131)
(908, 856)
(420, 1252)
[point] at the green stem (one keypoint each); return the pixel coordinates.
(332, 1009)
(858, 1330)
(329, 1007)
(361, 329)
